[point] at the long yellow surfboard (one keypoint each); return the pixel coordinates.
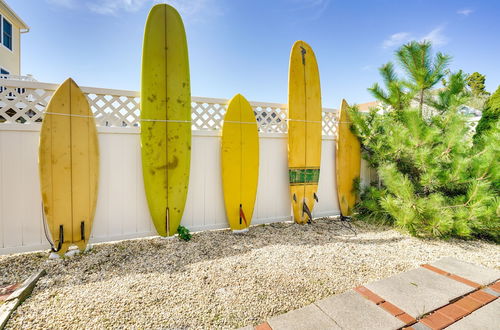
(240, 162)
(165, 117)
(347, 160)
(68, 162)
(304, 130)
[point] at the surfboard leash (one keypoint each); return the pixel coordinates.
(346, 222)
(61, 234)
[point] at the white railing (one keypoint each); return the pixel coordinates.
(16, 77)
(23, 102)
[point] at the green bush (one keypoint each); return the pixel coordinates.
(184, 233)
(433, 181)
(491, 113)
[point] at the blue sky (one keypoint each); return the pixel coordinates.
(242, 46)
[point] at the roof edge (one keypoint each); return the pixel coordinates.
(13, 13)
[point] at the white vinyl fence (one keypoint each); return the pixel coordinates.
(122, 211)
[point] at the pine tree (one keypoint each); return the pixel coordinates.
(476, 83)
(433, 181)
(395, 95)
(491, 114)
(423, 71)
(453, 95)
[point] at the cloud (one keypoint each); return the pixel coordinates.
(396, 39)
(465, 11)
(195, 9)
(111, 7)
(191, 9)
(313, 8)
(436, 37)
(71, 4)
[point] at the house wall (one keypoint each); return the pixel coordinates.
(10, 60)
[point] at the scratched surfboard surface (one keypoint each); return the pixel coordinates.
(240, 162)
(304, 130)
(165, 117)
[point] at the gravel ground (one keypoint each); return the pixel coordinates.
(218, 279)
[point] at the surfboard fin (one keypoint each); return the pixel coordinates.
(61, 239)
(61, 234)
(167, 221)
(305, 209)
(82, 230)
(242, 215)
(316, 197)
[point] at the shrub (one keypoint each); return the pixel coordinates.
(433, 181)
(184, 233)
(491, 113)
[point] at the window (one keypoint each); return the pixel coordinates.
(7, 34)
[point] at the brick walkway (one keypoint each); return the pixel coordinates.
(447, 293)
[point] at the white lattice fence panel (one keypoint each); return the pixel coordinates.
(330, 123)
(23, 105)
(115, 110)
(207, 114)
(24, 102)
(271, 118)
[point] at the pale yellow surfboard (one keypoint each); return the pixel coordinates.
(347, 160)
(165, 117)
(68, 167)
(304, 130)
(240, 162)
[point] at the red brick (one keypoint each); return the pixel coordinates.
(407, 319)
(409, 328)
(453, 311)
(10, 288)
(496, 286)
(394, 310)
(436, 321)
(482, 297)
(468, 304)
(435, 269)
(369, 295)
(6, 291)
(464, 281)
(263, 326)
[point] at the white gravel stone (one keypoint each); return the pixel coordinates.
(218, 279)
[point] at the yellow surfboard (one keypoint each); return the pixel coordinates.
(165, 117)
(68, 161)
(240, 162)
(347, 160)
(304, 130)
